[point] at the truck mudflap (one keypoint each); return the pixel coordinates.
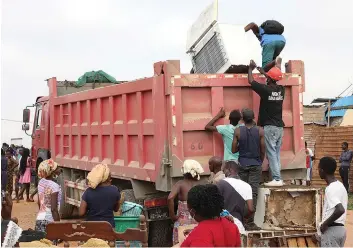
(279, 238)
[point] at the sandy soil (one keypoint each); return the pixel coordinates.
(26, 214)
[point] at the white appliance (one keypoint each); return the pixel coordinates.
(215, 47)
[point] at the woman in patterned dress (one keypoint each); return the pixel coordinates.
(191, 170)
(49, 195)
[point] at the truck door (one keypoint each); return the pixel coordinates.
(38, 131)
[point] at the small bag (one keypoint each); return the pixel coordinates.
(272, 27)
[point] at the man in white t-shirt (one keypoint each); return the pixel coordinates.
(333, 232)
(237, 194)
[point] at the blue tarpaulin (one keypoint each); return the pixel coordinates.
(344, 101)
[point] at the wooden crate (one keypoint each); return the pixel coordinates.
(284, 238)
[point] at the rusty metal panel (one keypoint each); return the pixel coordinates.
(311, 132)
(328, 143)
(289, 207)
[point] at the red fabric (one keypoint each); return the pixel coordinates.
(307, 161)
(214, 233)
(275, 73)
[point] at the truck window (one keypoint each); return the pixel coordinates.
(39, 118)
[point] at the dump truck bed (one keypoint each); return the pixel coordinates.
(145, 129)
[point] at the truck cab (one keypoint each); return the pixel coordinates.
(40, 149)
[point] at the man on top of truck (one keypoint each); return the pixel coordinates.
(270, 117)
(227, 131)
(271, 39)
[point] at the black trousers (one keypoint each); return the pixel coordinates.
(344, 171)
(252, 175)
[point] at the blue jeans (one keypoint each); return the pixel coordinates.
(273, 142)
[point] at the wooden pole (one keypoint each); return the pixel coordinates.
(329, 110)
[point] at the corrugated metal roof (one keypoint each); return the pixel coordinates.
(344, 101)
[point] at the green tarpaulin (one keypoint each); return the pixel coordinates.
(95, 77)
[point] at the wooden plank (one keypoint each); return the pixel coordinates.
(301, 242)
(310, 242)
(292, 242)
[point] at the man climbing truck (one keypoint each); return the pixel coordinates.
(122, 126)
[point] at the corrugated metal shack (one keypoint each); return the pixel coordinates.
(341, 110)
(328, 143)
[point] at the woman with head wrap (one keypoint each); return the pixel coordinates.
(191, 170)
(100, 199)
(49, 194)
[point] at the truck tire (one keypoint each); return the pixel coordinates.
(66, 209)
(160, 234)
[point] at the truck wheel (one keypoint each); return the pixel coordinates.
(66, 209)
(160, 234)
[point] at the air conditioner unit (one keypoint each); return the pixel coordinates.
(220, 48)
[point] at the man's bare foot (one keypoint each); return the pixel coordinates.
(29, 200)
(279, 62)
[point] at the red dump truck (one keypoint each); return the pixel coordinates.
(145, 129)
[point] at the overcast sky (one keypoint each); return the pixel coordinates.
(42, 39)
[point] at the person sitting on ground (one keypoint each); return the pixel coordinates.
(215, 164)
(25, 173)
(49, 194)
(333, 232)
(12, 164)
(345, 160)
(271, 39)
(249, 141)
(205, 203)
(270, 118)
(101, 199)
(191, 170)
(237, 194)
(309, 163)
(227, 131)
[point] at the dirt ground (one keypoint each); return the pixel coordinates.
(26, 214)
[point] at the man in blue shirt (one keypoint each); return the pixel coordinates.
(227, 131)
(271, 40)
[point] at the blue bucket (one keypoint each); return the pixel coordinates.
(131, 209)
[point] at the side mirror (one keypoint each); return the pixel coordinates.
(26, 116)
(25, 127)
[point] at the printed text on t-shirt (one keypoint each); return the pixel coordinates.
(275, 96)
